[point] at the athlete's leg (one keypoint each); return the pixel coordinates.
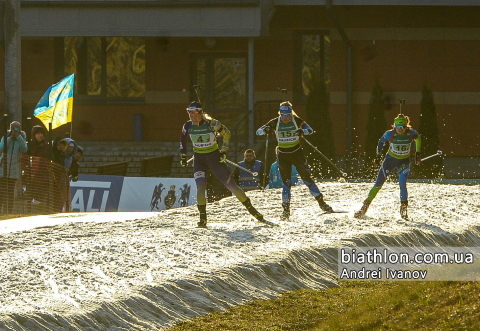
(403, 172)
(221, 171)
(285, 168)
(200, 169)
(383, 173)
(300, 163)
(387, 166)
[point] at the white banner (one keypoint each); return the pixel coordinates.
(158, 193)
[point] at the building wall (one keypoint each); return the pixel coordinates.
(405, 47)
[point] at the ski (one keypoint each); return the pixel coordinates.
(268, 222)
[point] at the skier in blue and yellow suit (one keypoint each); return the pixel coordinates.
(400, 138)
(288, 128)
(202, 130)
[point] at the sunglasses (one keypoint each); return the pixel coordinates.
(400, 126)
(285, 114)
(194, 110)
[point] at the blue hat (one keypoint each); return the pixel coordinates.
(286, 108)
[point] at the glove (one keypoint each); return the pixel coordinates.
(75, 178)
(418, 158)
(266, 130)
(378, 160)
(183, 160)
(299, 132)
(223, 156)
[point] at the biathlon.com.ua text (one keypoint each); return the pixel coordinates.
(409, 263)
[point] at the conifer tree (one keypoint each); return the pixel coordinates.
(428, 129)
(318, 117)
(376, 126)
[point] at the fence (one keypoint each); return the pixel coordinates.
(33, 185)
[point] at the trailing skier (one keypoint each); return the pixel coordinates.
(202, 130)
(398, 157)
(288, 128)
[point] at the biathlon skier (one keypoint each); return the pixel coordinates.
(288, 128)
(202, 130)
(400, 138)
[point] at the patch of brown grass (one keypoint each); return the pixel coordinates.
(358, 306)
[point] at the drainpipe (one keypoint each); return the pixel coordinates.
(251, 117)
(348, 44)
(13, 68)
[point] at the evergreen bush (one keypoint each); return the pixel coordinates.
(428, 129)
(318, 117)
(376, 127)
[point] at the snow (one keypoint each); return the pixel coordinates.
(144, 271)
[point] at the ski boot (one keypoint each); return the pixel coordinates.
(203, 216)
(360, 213)
(325, 207)
(403, 210)
(286, 212)
(255, 213)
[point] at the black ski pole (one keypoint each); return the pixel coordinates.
(265, 164)
(344, 174)
(197, 87)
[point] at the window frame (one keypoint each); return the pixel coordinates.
(298, 96)
(101, 99)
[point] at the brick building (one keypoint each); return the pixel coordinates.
(137, 62)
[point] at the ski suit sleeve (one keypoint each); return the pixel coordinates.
(219, 128)
(418, 141)
(271, 128)
(307, 130)
(183, 139)
(385, 138)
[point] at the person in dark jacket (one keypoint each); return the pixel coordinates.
(37, 175)
(246, 180)
(58, 148)
(73, 171)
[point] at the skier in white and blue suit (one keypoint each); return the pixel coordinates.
(398, 157)
(202, 130)
(288, 128)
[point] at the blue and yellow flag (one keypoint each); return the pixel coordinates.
(56, 105)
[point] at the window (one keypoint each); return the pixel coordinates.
(312, 60)
(107, 69)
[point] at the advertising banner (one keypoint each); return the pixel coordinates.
(154, 194)
(93, 193)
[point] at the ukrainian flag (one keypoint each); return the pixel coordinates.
(56, 105)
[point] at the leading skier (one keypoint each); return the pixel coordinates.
(202, 130)
(400, 138)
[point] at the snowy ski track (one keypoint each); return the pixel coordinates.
(146, 274)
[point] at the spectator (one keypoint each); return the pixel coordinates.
(73, 171)
(37, 176)
(70, 152)
(38, 146)
(16, 145)
(275, 180)
(246, 180)
(58, 148)
(60, 188)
